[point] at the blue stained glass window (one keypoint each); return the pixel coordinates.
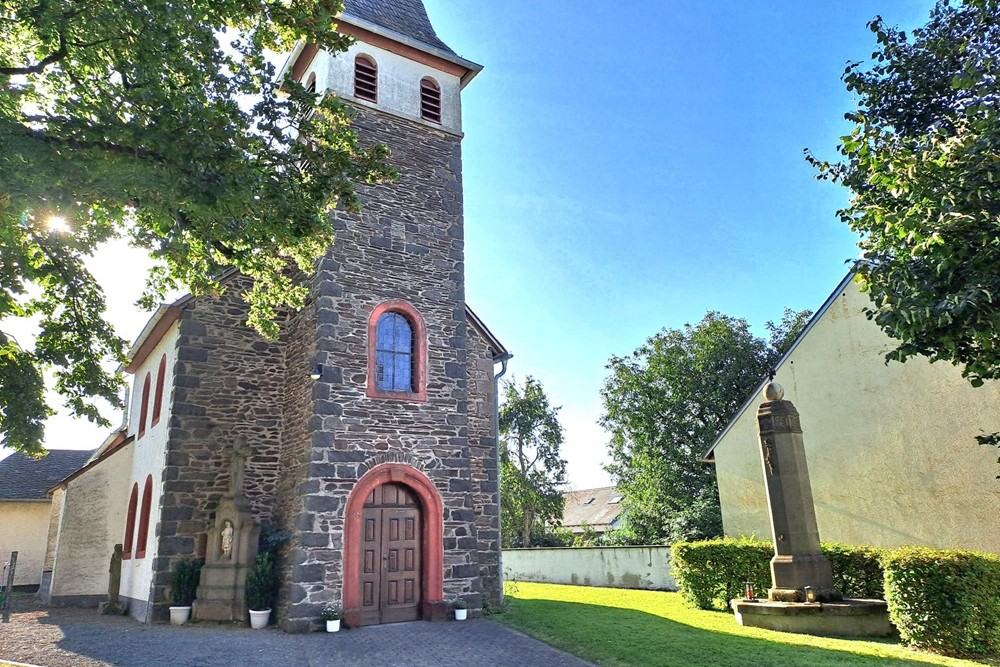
(393, 353)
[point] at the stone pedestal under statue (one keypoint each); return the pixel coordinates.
(229, 553)
(802, 597)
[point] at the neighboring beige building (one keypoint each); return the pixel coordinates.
(891, 448)
(598, 509)
(25, 508)
(89, 508)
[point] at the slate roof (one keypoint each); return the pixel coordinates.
(405, 17)
(25, 478)
(593, 506)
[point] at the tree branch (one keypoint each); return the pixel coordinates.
(54, 57)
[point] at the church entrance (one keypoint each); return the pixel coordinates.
(390, 555)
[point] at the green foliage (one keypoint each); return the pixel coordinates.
(262, 583)
(857, 570)
(923, 166)
(665, 404)
(331, 612)
(945, 601)
(531, 472)
(185, 582)
(587, 538)
(163, 123)
(459, 603)
(711, 573)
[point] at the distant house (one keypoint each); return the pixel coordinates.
(891, 447)
(25, 507)
(597, 509)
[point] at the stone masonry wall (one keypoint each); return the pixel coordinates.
(484, 465)
(406, 244)
(229, 383)
(296, 433)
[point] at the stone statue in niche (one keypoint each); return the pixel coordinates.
(227, 539)
(222, 589)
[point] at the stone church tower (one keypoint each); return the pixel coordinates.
(370, 424)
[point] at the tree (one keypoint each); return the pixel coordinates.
(923, 166)
(531, 472)
(162, 122)
(665, 404)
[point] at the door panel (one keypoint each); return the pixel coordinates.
(390, 556)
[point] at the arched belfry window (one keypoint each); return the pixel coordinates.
(393, 353)
(430, 100)
(365, 79)
(397, 352)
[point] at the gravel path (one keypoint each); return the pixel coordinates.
(82, 638)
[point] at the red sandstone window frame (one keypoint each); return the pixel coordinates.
(144, 408)
(366, 78)
(158, 397)
(133, 505)
(147, 500)
(430, 100)
(419, 393)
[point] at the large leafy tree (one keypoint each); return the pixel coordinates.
(162, 122)
(923, 167)
(664, 405)
(532, 474)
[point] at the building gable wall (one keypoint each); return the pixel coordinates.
(891, 448)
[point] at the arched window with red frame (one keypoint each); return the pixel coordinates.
(147, 499)
(397, 352)
(144, 407)
(158, 396)
(133, 504)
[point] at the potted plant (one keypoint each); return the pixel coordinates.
(261, 590)
(332, 614)
(461, 608)
(183, 589)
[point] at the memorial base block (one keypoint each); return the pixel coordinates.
(846, 618)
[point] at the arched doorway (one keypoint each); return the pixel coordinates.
(393, 548)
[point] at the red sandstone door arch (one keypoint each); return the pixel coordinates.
(373, 522)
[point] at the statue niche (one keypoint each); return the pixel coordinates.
(232, 548)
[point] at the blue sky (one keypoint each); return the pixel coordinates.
(629, 166)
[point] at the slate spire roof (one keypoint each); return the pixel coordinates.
(405, 17)
(25, 478)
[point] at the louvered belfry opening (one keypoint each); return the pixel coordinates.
(365, 79)
(430, 100)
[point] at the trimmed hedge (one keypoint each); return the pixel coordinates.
(711, 573)
(945, 601)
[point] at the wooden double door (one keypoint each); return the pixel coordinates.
(390, 555)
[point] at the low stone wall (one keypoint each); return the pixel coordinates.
(615, 567)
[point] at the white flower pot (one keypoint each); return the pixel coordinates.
(333, 626)
(259, 619)
(460, 614)
(179, 615)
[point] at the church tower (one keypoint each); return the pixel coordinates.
(388, 469)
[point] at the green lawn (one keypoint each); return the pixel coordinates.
(616, 627)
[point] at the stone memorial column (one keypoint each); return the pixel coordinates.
(798, 562)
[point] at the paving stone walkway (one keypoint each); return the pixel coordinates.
(82, 638)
